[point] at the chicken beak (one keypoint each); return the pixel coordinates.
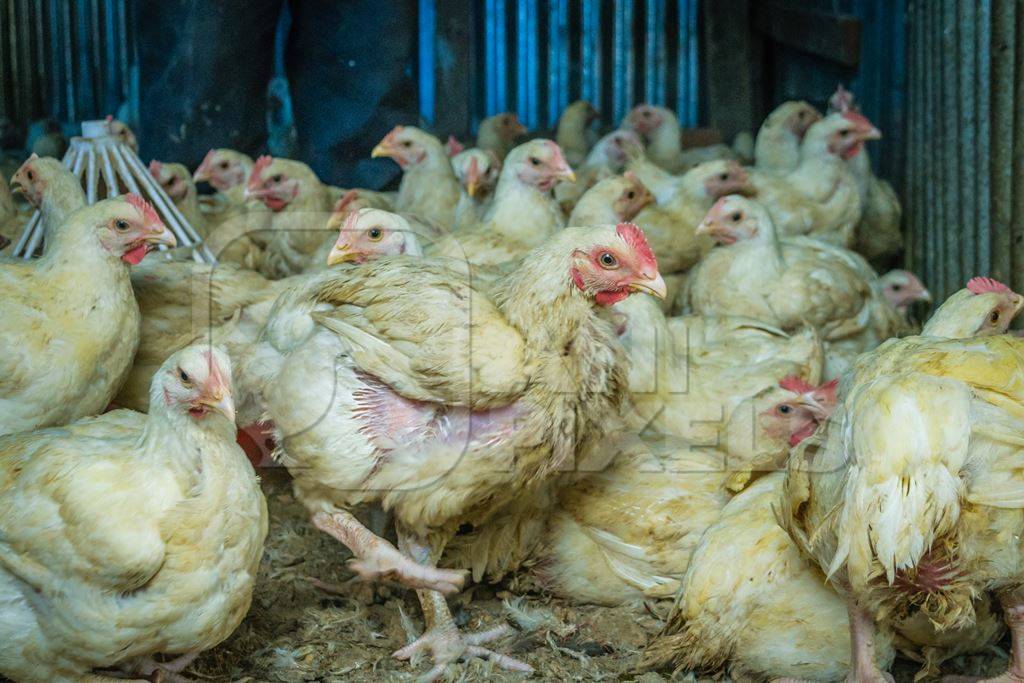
(161, 235)
(222, 403)
(706, 227)
(340, 253)
(871, 133)
(819, 411)
(472, 187)
(925, 295)
(201, 175)
(654, 287)
(381, 150)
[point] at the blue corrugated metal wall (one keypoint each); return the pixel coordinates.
(67, 59)
(537, 56)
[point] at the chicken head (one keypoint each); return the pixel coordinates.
(985, 307)
(902, 288)
(131, 228)
(174, 178)
(540, 163)
(735, 218)
(223, 169)
(612, 269)
(633, 197)
(271, 184)
(196, 381)
(840, 134)
(367, 234)
(477, 170)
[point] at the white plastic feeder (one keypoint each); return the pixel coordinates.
(107, 168)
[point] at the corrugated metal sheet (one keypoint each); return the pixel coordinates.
(964, 189)
(66, 59)
(537, 56)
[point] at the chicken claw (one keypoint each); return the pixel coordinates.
(447, 645)
(376, 559)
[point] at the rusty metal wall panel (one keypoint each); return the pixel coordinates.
(964, 189)
(65, 59)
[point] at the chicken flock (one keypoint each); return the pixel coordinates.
(610, 369)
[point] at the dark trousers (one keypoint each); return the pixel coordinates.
(205, 66)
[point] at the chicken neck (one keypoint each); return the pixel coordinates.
(522, 212)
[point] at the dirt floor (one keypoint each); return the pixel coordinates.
(344, 631)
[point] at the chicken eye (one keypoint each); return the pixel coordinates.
(121, 224)
(608, 261)
(785, 410)
(844, 133)
(184, 376)
(535, 161)
(645, 114)
(30, 175)
(407, 143)
(801, 115)
(723, 176)
(276, 178)
(630, 194)
(376, 234)
(736, 217)
(897, 287)
(223, 164)
(994, 316)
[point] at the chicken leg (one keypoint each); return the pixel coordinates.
(440, 635)
(1013, 612)
(375, 558)
(863, 668)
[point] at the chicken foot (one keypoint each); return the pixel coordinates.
(1013, 612)
(441, 637)
(377, 559)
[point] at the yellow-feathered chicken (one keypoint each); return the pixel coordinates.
(911, 499)
(777, 148)
(429, 188)
(125, 536)
(71, 324)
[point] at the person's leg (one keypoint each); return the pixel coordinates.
(203, 70)
(352, 73)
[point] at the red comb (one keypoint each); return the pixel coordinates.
(345, 200)
(155, 167)
(982, 285)
(207, 161)
(634, 237)
(454, 146)
(797, 385)
(258, 168)
(827, 391)
(145, 208)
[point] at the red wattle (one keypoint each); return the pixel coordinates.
(135, 255)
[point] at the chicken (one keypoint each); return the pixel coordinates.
(752, 603)
(878, 235)
(672, 222)
(627, 533)
(121, 131)
(429, 188)
(70, 323)
(909, 500)
(617, 199)
(177, 182)
(299, 205)
(575, 134)
(50, 186)
(660, 129)
(777, 148)
(789, 281)
(523, 213)
(710, 393)
(607, 158)
(125, 536)
(368, 234)
(499, 133)
(820, 197)
(225, 170)
(373, 360)
(477, 171)
(902, 289)
(11, 224)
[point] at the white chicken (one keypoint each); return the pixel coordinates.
(126, 536)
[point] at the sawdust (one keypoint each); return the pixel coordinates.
(311, 622)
